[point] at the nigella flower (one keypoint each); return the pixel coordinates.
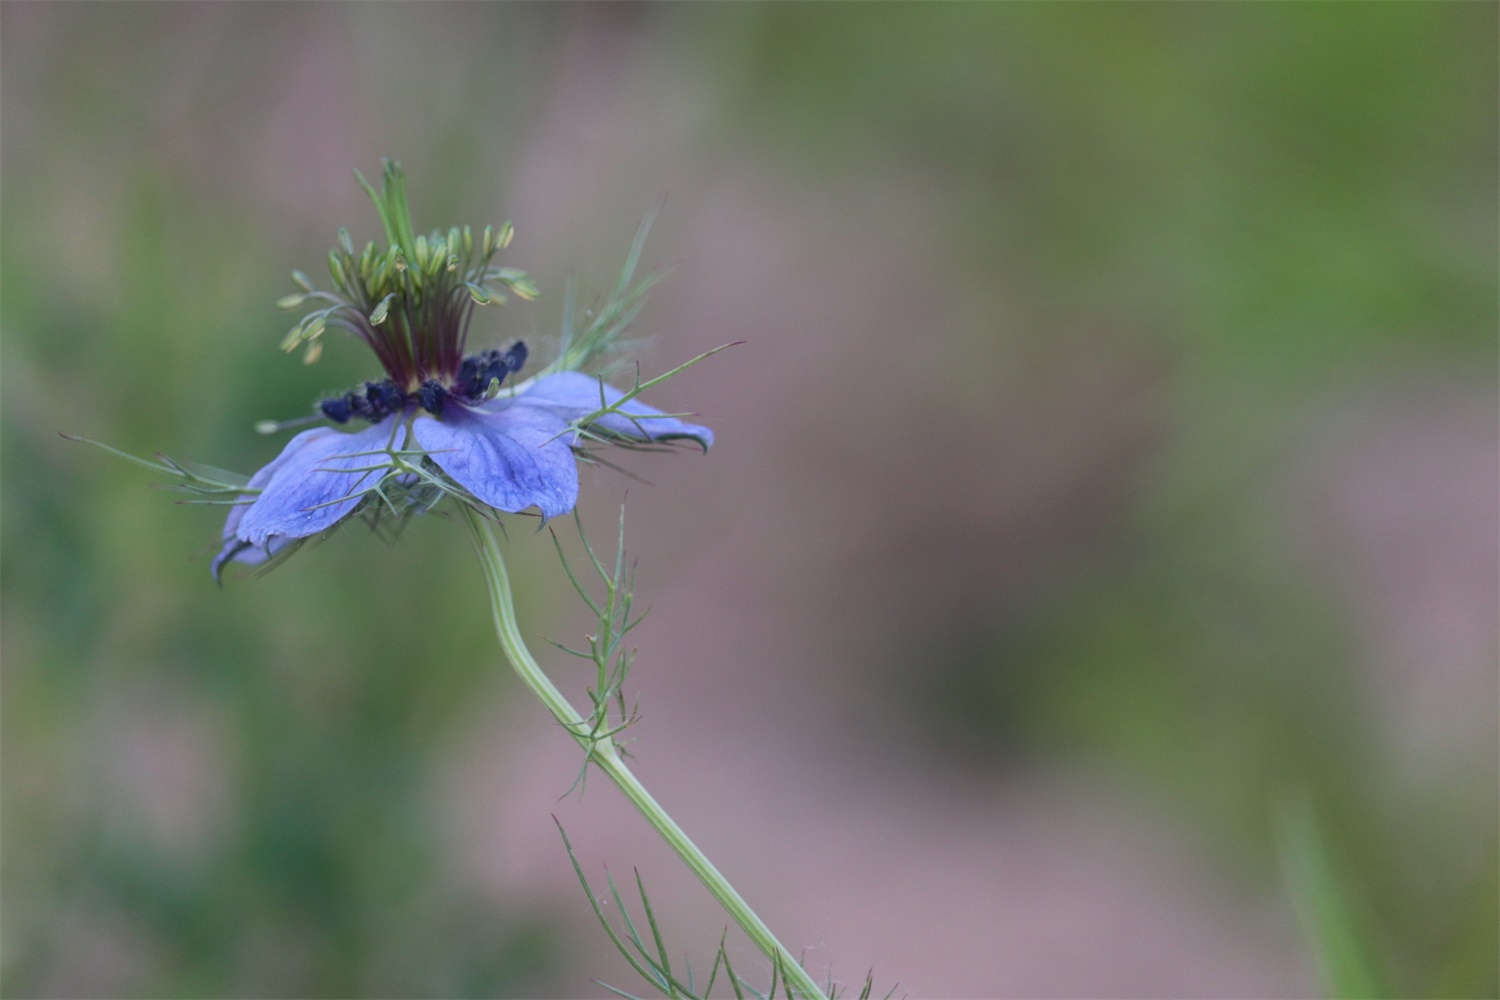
(441, 423)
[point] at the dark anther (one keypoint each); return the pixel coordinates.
(433, 396)
(337, 409)
(361, 406)
(516, 356)
(478, 370)
(384, 398)
(496, 369)
(467, 383)
(373, 402)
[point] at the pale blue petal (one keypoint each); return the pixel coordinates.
(235, 550)
(318, 479)
(574, 395)
(510, 457)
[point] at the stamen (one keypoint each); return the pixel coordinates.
(377, 400)
(433, 396)
(411, 301)
(338, 409)
(384, 398)
(478, 370)
(275, 426)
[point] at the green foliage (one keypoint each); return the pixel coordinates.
(606, 643)
(653, 963)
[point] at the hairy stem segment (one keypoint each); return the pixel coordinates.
(603, 753)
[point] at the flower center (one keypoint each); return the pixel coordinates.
(411, 302)
(375, 401)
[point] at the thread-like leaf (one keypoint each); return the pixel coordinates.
(594, 905)
(661, 947)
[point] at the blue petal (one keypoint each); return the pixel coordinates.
(235, 550)
(574, 395)
(510, 456)
(318, 479)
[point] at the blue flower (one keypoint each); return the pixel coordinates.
(511, 453)
(440, 424)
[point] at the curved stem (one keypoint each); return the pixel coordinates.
(603, 752)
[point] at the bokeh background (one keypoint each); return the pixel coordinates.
(1110, 467)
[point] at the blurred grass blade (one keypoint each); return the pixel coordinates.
(1469, 967)
(1322, 907)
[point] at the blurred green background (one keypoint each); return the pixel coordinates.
(1111, 465)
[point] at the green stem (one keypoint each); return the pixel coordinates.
(603, 752)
